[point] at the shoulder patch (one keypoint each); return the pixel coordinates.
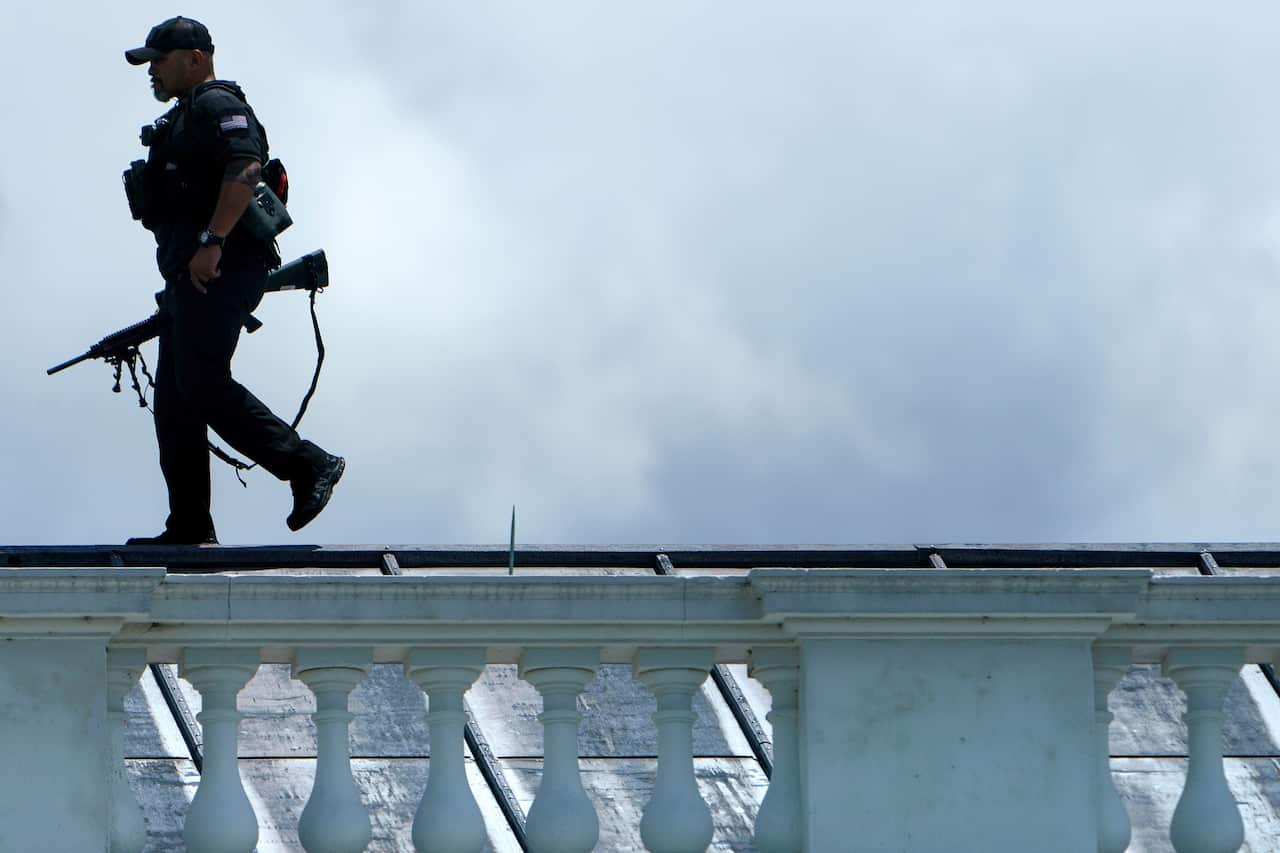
(233, 122)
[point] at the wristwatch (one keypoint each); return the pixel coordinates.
(208, 238)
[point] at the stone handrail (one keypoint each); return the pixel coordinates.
(980, 692)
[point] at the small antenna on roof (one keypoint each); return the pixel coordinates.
(511, 549)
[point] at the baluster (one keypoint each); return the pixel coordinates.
(562, 818)
(676, 820)
(448, 819)
(1109, 666)
(128, 828)
(1207, 819)
(220, 819)
(778, 823)
(334, 819)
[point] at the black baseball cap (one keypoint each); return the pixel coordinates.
(174, 34)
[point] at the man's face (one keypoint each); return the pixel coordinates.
(169, 75)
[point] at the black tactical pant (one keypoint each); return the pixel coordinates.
(194, 391)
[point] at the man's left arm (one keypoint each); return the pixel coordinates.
(238, 181)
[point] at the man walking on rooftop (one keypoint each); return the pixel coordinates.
(206, 157)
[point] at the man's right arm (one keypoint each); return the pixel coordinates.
(240, 177)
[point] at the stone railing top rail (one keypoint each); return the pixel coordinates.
(165, 612)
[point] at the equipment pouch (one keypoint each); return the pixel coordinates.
(266, 216)
(275, 176)
(135, 188)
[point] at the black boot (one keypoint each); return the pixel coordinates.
(176, 537)
(312, 492)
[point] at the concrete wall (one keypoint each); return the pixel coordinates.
(54, 786)
(947, 746)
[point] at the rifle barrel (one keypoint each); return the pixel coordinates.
(71, 362)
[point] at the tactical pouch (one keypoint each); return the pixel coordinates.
(135, 189)
(266, 216)
(275, 176)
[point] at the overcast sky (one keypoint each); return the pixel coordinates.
(689, 272)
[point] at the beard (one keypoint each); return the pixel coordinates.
(162, 94)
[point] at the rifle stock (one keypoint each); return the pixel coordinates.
(309, 272)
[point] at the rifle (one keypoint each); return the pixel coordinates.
(309, 272)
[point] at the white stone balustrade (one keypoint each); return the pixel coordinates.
(128, 828)
(334, 820)
(1206, 819)
(562, 818)
(220, 818)
(677, 819)
(779, 823)
(1114, 830)
(965, 686)
(448, 819)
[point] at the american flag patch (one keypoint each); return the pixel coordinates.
(234, 123)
